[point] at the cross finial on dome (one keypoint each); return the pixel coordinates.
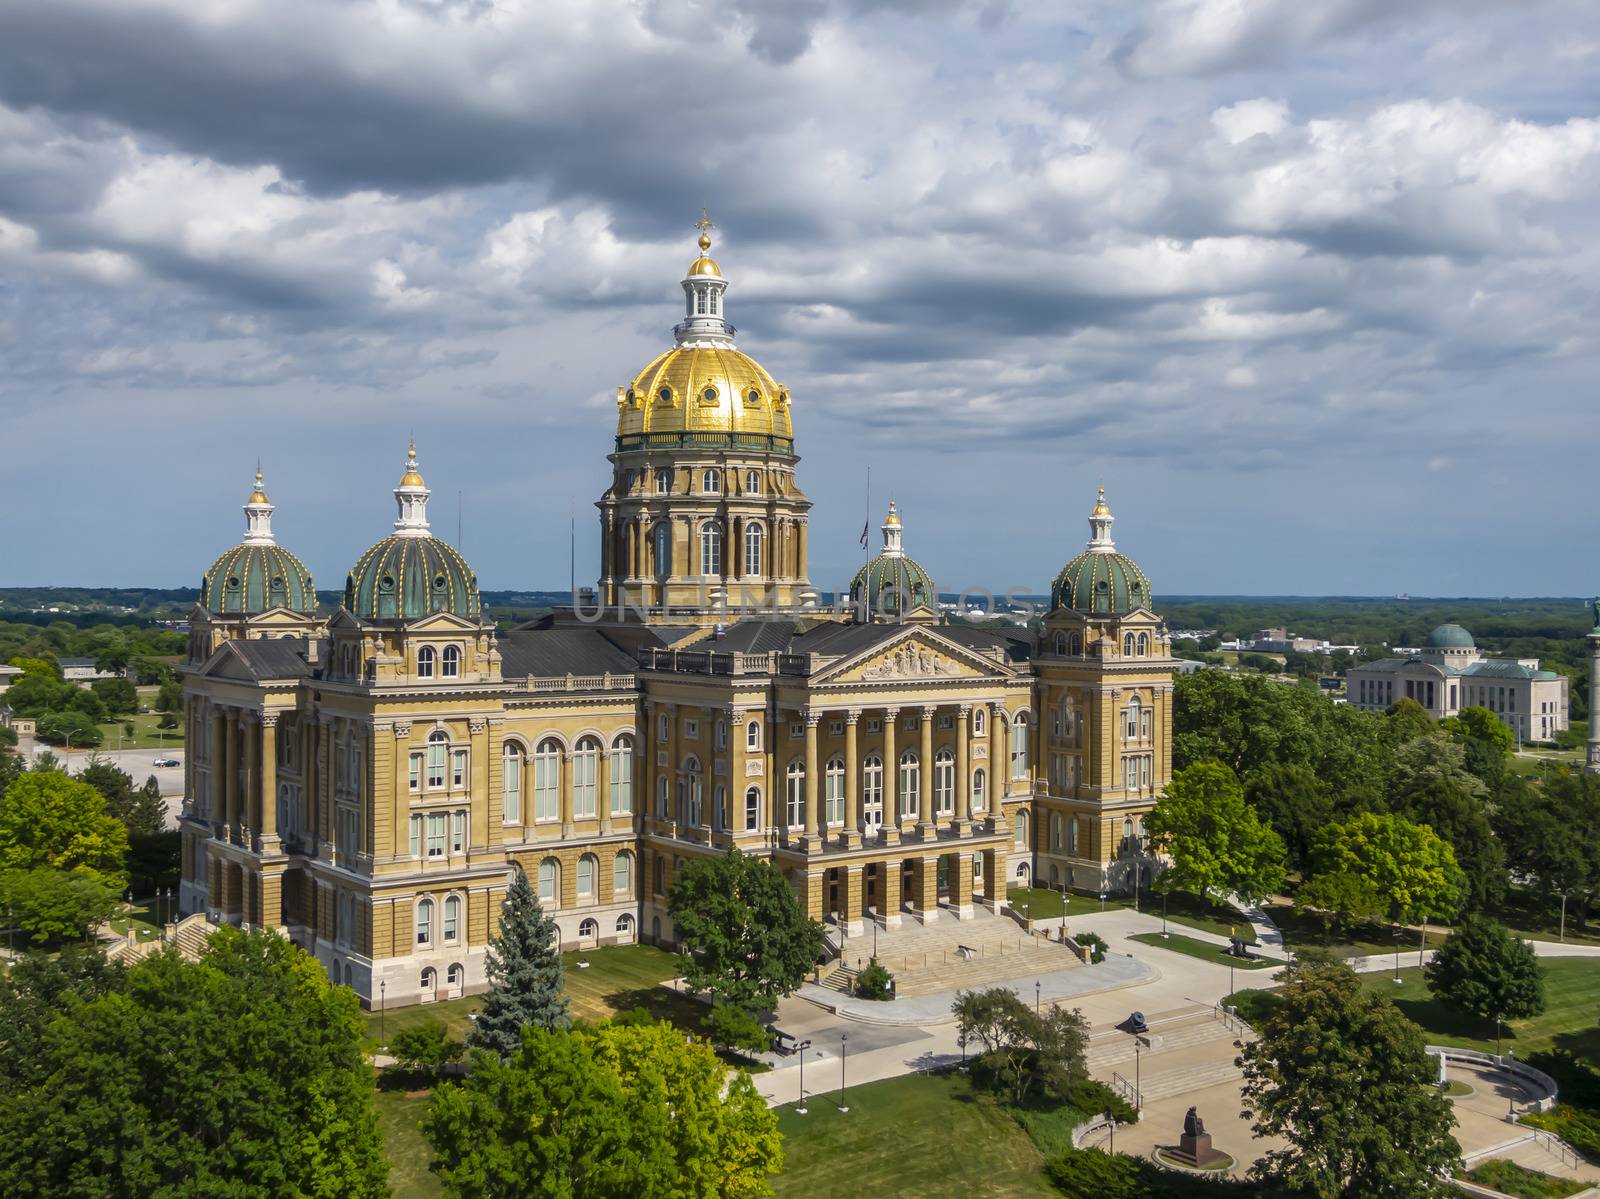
(705, 224)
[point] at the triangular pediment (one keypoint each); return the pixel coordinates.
(441, 622)
(226, 663)
(281, 616)
(917, 654)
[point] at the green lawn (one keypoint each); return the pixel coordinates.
(617, 978)
(145, 735)
(928, 1136)
(1569, 1021)
(143, 918)
(1204, 950)
(1306, 928)
(1511, 1179)
(1044, 904)
(1528, 915)
(1184, 908)
(399, 1115)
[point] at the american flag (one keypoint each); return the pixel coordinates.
(864, 529)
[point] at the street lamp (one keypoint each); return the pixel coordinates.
(1035, 997)
(1397, 955)
(843, 1107)
(383, 994)
(1102, 899)
(1164, 914)
(802, 1047)
(1138, 1086)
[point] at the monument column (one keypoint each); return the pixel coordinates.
(1592, 763)
(963, 806)
(891, 785)
(925, 774)
(815, 829)
(267, 818)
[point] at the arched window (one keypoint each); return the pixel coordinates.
(693, 792)
(430, 984)
(1055, 832)
(1072, 835)
(1127, 645)
(1131, 719)
(549, 881)
(752, 548)
(872, 791)
(621, 780)
(752, 482)
(833, 791)
(622, 875)
(585, 764)
(1022, 828)
(661, 796)
(438, 747)
(625, 925)
(711, 549)
(588, 867)
(711, 482)
(795, 794)
(1128, 843)
(1144, 644)
(589, 929)
(547, 780)
(452, 661)
(944, 783)
(1061, 643)
(719, 808)
(752, 735)
(980, 721)
(1019, 746)
(752, 809)
(452, 918)
(511, 783)
(1075, 644)
(425, 662)
(425, 922)
(455, 977)
(663, 482)
(910, 783)
(663, 555)
(980, 789)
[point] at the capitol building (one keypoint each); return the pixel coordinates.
(365, 781)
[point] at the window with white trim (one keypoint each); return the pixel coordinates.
(833, 791)
(588, 867)
(452, 918)
(795, 794)
(944, 783)
(585, 765)
(711, 482)
(752, 549)
(425, 922)
(458, 768)
(547, 780)
(436, 834)
(752, 735)
(451, 662)
(425, 660)
(621, 779)
(980, 799)
(549, 881)
(910, 783)
(511, 783)
(438, 748)
(752, 809)
(622, 875)
(1019, 746)
(414, 772)
(711, 549)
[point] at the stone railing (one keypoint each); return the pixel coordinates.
(580, 682)
(1538, 1080)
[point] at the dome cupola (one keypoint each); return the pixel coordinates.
(411, 573)
(1450, 636)
(1100, 581)
(892, 583)
(258, 573)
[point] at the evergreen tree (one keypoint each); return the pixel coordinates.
(1485, 971)
(524, 967)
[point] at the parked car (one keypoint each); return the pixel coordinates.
(166, 762)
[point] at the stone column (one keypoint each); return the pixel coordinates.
(854, 925)
(994, 879)
(245, 795)
(400, 795)
(891, 893)
(961, 885)
(566, 796)
(602, 788)
(852, 793)
(926, 883)
(816, 827)
(1592, 763)
(963, 813)
(482, 766)
(216, 783)
(891, 786)
(999, 767)
(671, 825)
(925, 775)
(267, 819)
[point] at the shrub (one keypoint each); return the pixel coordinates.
(1577, 1126)
(732, 1027)
(1091, 1174)
(1095, 944)
(875, 982)
(57, 727)
(1254, 1007)
(425, 1048)
(1092, 1098)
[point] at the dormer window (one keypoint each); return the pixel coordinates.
(752, 480)
(425, 661)
(752, 397)
(452, 661)
(665, 395)
(663, 482)
(708, 396)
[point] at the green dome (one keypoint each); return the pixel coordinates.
(893, 583)
(404, 577)
(253, 578)
(1450, 636)
(1100, 582)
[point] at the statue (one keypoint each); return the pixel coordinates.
(1194, 1147)
(1193, 1125)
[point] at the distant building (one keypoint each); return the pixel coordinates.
(80, 672)
(9, 675)
(1449, 673)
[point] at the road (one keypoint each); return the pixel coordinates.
(138, 763)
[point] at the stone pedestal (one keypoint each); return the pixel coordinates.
(1196, 1150)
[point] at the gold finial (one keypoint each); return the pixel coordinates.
(705, 224)
(1101, 508)
(258, 496)
(894, 516)
(412, 477)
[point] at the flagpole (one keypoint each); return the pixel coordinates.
(866, 547)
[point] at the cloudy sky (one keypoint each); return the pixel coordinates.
(1312, 287)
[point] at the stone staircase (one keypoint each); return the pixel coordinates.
(951, 954)
(1110, 1054)
(192, 933)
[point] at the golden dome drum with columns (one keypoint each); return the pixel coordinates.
(704, 390)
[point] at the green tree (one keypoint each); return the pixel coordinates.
(118, 695)
(37, 989)
(169, 698)
(1486, 739)
(1462, 819)
(1425, 761)
(732, 1027)
(748, 940)
(141, 810)
(1213, 840)
(1020, 1048)
(241, 1075)
(523, 962)
(1412, 871)
(1409, 720)
(1551, 833)
(69, 727)
(1294, 801)
(56, 905)
(1340, 897)
(613, 1112)
(1342, 1077)
(1484, 971)
(425, 1048)
(50, 820)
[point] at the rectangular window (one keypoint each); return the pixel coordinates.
(436, 765)
(1144, 724)
(691, 729)
(416, 772)
(511, 789)
(458, 768)
(834, 794)
(836, 728)
(722, 735)
(874, 725)
(796, 730)
(946, 721)
(583, 781)
(458, 832)
(547, 785)
(451, 918)
(436, 831)
(416, 836)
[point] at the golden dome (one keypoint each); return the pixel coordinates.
(704, 266)
(1101, 508)
(258, 496)
(412, 477)
(893, 519)
(704, 389)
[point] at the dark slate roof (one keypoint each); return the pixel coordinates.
(1018, 645)
(274, 657)
(1506, 669)
(557, 652)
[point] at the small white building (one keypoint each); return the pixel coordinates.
(1449, 673)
